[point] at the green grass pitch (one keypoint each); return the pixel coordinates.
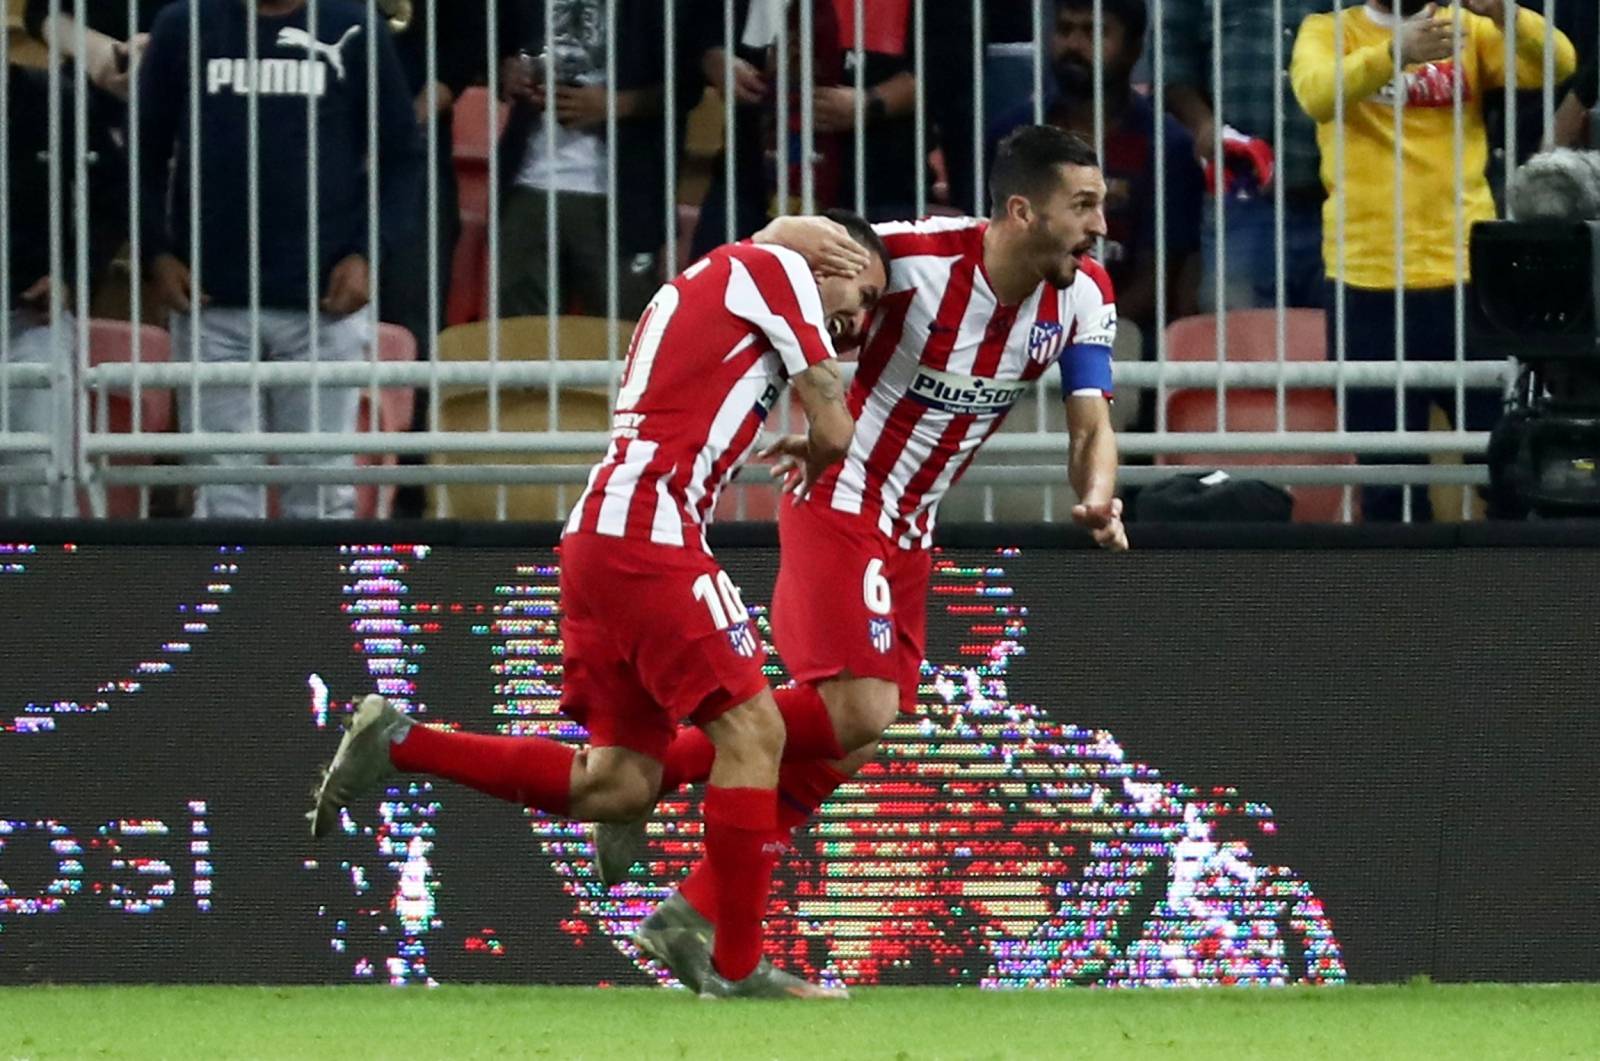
(1430, 1022)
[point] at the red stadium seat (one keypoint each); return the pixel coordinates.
(395, 405)
(470, 150)
(469, 274)
(111, 342)
(1252, 336)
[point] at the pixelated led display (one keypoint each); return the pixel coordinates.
(1096, 789)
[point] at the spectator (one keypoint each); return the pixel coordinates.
(297, 62)
(888, 110)
(1371, 265)
(576, 171)
(460, 33)
(1575, 118)
(29, 338)
(1128, 158)
(1253, 158)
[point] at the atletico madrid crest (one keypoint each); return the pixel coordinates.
(742, 639)
(881, 631)
(1044, 341)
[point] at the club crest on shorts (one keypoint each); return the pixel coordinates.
(742, 639)
(881, 632)
(1044, 341)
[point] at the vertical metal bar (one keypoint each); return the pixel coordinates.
(783, 141)
(1218, 217)
(313, 253)
(1547, 85)
(988, 504)
(730, 171)
(860, 52)
(196, 279)
(374, 242)
(57, 265)
(552, 236)
(1399, 206)
(1039, 45)
(1097, 18)
(1459, 236)
(977, 107)
(1341, 205)
(669, 130)
(1511, 96)
(72, 430)
(491, 38)
(1159, 76)
(135, 257)
(613, 294)
(431, 51)
(920, 133)
(808, 116)
(5, 254)
(252, 49)
(1280, 264)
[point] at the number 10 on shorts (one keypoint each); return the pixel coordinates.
(728, 612)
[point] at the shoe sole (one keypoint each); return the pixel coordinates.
(657, 949)
(366, 716)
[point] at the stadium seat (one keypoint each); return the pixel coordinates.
(395, 405)
(466, 408)
(1252, 336)
(469, 269)
(111, 342)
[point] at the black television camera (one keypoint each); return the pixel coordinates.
(1536, 300)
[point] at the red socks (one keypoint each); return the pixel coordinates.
(802, 788)
(808, 735)
(532, 771)
(741, 849)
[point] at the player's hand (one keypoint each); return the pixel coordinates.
(1104, 524)
(1494, 10)
(825, 245)
(834, 108)
(174, 288)
(792, 468)
(349, 287)
(748, 84)
(581, 106)
(1424, 38)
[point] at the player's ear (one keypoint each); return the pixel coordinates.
(1019, 209)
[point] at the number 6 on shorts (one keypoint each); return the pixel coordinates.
(875, 589)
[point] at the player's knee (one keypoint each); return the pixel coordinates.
(618, 798)
(861, 709)
(753, 730)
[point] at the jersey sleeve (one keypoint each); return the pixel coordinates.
(1086, 363)
(772, 288)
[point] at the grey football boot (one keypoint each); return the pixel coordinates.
(361, 764)
(765, 981)
(678, 937)
(618, 847)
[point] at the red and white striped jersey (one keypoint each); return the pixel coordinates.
(944, 363)
(709, 359)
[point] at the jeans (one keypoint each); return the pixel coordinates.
(1250, 263)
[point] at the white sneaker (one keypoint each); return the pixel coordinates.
(361, 765)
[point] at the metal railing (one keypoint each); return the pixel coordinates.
(641, 56)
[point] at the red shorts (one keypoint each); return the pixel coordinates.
(848, 599)
(652, 636)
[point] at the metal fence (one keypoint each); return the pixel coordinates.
(503, 418)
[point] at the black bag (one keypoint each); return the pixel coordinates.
(1212, 497)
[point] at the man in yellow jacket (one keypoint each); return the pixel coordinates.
(1427, 269)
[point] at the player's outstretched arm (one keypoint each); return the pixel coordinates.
(801, 458)
(1092, 470)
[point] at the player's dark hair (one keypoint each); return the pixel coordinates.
(862, 233)
(1133, 15)
(1025, 163)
